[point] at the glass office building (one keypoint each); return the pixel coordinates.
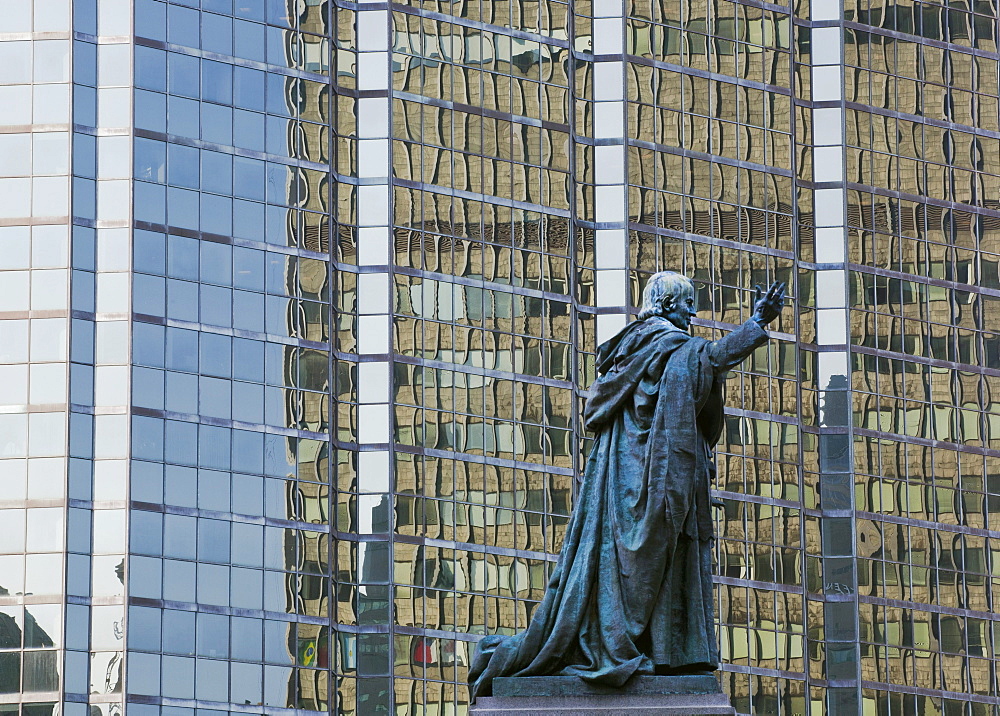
(299, 300)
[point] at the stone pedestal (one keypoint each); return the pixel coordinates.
(570, 696)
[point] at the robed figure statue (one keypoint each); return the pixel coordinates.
(632, 593)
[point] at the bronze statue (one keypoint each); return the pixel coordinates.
(632, 593)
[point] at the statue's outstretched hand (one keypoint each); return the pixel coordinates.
(768, 307)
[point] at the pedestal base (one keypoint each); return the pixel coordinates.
(570, 696)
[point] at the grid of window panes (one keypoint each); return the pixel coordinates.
(482, 391)
(922, 133)
(229, 597)
(709, 121)
(35, 124)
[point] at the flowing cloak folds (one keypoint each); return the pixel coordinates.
(632, 592)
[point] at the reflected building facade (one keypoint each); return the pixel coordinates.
(300, 300)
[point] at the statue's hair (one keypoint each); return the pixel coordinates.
(660, 289)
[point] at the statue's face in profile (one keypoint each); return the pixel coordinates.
(680, 309)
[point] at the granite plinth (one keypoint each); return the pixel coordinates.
(644, 695)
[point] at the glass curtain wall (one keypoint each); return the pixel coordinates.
(230, 588)
(922, 170)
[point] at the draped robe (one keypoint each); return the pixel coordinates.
(632, 592)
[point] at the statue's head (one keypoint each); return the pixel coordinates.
(671, 295)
